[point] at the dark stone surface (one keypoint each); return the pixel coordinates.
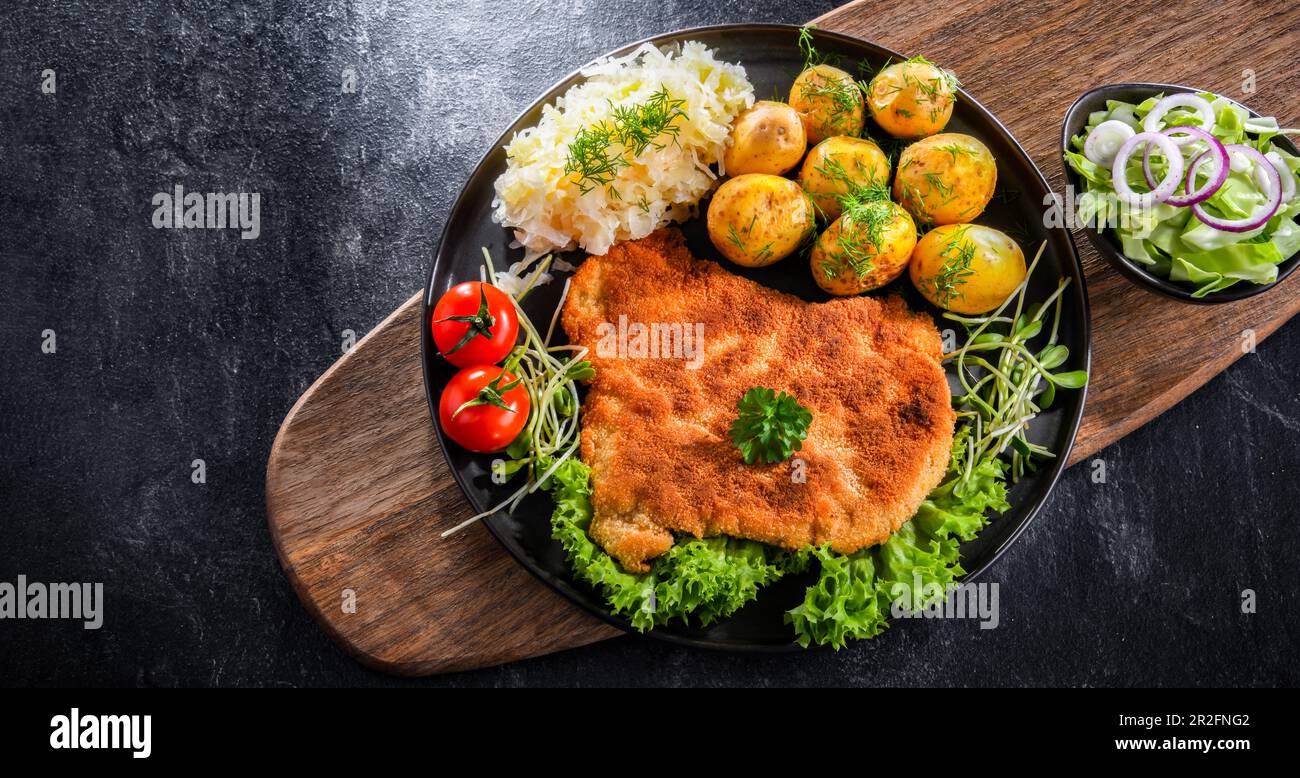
(177, 345)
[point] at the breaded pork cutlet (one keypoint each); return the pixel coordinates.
(655, 430)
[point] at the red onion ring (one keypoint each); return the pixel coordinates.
(1217, 151)
(1195, 167)
(1263, 213)
(1216, 146)
(1166, 188)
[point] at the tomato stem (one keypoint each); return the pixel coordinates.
(491, 395)
(480, 324)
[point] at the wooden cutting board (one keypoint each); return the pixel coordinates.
(357, 490)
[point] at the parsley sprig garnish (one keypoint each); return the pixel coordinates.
(770, 427)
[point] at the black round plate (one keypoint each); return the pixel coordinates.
(771, 57)
(1105, 241)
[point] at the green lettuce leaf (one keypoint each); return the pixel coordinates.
(855, 593)
(843, 604)
(1095, 174)
(1237, 198)
(628, 595)
(1140, 110)
(713, 577)
(945, 513)
(710, 578)
(1229, 119)
(1197, 236)
(1222, 267)
(1097, 208)
(1167, 235)
(911, 554)
(1283, 231)
(1135, 248)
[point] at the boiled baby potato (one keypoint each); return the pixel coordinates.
(864, 249)
(756, 219)
(838, 165)
(967, 268)
(767, 138)
(912, 99)
(829, 102)
(945, 179)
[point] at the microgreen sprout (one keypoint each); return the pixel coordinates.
(1006, 383)
(549, 374)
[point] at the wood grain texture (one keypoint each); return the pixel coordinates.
(357, 493)
(357, 488)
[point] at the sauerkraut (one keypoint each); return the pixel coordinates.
(553, 209)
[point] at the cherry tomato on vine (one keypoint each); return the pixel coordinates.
(475, 324)
(483, 408)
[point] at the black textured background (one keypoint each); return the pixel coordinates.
(177, 345)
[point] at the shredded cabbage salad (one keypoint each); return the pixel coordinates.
(1171, 241)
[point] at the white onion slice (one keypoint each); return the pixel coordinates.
(1151, 123)
(1105, 140)
(1216, 151)
(1119, 177)
(1283, 172)
(1260, 216)
(1260, 124)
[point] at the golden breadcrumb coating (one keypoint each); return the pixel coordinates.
(655, 431)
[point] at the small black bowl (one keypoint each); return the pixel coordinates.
(1105, 241)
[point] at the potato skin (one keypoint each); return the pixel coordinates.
(945, 179)
(829, 102)
(911, 99)
(832, 161)
(767, 138)
(967, 268)
(832, 261)
(757, 219)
